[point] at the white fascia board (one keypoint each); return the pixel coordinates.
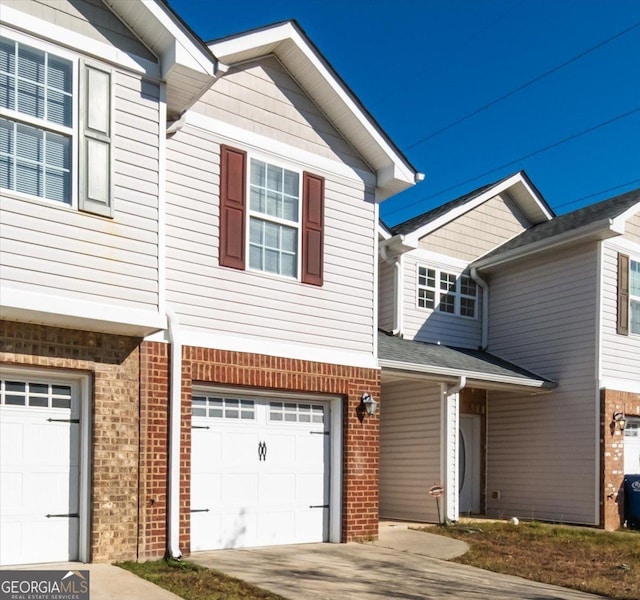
(235, 135)
(383, 232)
(190, 53)
(458, 211)
(620, 221)
(623, 245)
(443, 373)
(599, 230)
(57, 310)
(541, 205)
(442, 261)
(238, 343)
(61, 36)
(392, 177)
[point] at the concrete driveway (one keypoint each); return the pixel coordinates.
(400, 565)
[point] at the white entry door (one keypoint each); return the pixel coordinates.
(39, 471)
(259, 471)
(632, 447)
(469, 475)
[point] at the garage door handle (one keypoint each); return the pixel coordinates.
(262, 451)
(70, 515)
(199, 510)
(319, 506)
(63, 420)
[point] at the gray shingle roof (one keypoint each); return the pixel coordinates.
(416, 222)
(607, 209)
(477, 362)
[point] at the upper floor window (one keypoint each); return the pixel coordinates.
(284, 215)
(446, 292)
(36, 122)
(45, 151)
(274, 220)
(634, 295)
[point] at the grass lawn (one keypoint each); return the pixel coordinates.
(193, 582)
(590, 560)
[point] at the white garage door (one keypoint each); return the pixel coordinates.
(632, 447)
(39, 471)
(259, 472)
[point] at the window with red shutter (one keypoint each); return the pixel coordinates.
(233, 177)
(312, 229)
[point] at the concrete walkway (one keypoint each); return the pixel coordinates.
(399, 565)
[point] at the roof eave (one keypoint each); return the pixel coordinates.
(599, 230)
(186, 64)
(287, 41)
(486, 379)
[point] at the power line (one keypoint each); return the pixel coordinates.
(522, 87)
(521, 158)
(611, 189)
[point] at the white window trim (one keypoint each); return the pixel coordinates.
(73, 131)
(632, 297)
(437, 292)
(276, 162)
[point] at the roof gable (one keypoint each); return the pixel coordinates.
(289, 43)
(518, 186)
(597, 221)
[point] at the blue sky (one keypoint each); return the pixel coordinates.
(420, 65)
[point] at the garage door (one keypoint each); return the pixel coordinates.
(259, 472)
(632, 447)
(39, 471)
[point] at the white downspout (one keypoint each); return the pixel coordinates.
(452, 424)
(485, 307)
(397, 289)
(175, 401)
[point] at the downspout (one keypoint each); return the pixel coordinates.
(452, 420)
(485, 307)
(397, 289)
(175, 402)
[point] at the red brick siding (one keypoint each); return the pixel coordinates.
(612, 446)
(113, 362)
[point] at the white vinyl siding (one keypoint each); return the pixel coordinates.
(270, 98)
(91, 18)
(542, 451)
(210, 299)
(386, 295)
(435, 326)
(478, 231)
(410, 450)
(50, 248)
(632, 229)
(619, 353)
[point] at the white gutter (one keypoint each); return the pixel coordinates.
(175, 401)
(462, 382)
(396, 263)
(441, 372)
(484, 342)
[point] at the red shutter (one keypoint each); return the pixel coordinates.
(623, 294)
(312, 228)
(233, 177)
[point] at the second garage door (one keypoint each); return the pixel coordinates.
(259, 471)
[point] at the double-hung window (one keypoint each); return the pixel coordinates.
(634, 295)
(56, 122)
(446, 292)
(280, 211)
(36, 122)
(274, 218)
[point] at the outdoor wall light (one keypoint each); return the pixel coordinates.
(619, 420)
(370, 404)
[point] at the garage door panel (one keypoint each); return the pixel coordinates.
(272, 465)
(39, 471)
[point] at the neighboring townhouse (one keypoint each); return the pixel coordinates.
(188, 287)
(492, 277)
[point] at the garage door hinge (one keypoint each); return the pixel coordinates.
(63, 420)
(200, 427)
(319, 432)
(70, 515)
(319, 506)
